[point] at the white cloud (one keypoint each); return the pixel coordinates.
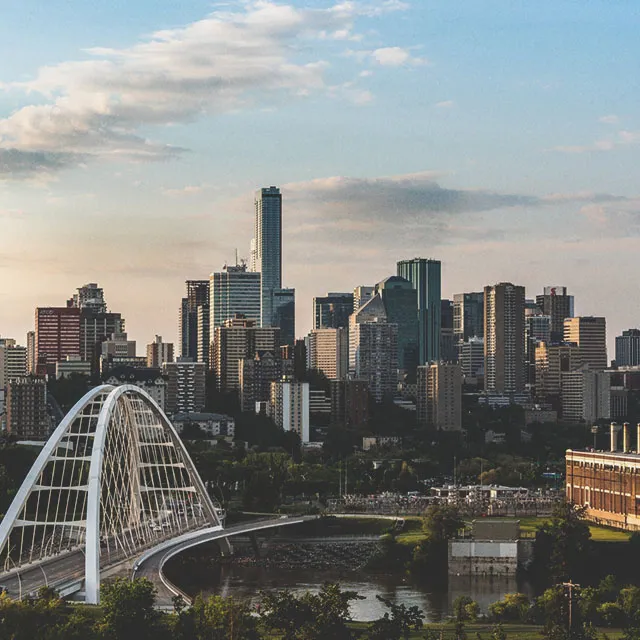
(227, 61)
(396, 57)
(445, 104)
(610, 119)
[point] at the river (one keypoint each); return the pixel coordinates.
(246, 582)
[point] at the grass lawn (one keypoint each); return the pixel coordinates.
(598, 532)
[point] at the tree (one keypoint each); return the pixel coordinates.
(513, 608)
(561, 548)
(310, 616)
(465, 608)
(128, 610)
(396, 625)
(216, 618)
(441, 522)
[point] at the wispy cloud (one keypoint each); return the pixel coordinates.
(610, 119)
(230, 60)
(396, 57)
(445, 104)
(621, 139)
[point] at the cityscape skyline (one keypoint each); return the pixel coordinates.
(359, 196)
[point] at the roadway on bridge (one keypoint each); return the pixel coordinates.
(151, 566)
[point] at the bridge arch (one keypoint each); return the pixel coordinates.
(113, 479)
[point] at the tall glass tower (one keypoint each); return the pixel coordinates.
(268, 250)
(425, 275)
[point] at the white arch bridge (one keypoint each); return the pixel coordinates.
(113, 484)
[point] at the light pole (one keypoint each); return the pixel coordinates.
(570, 586)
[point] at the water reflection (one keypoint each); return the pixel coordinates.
(436, 601)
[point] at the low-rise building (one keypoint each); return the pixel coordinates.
(151, 380)
(373, 442)
(72, 366)
(211, 424)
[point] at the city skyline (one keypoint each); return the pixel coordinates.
(80, 200)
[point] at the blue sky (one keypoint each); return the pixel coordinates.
(502, 137)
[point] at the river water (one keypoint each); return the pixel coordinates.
(246, 582)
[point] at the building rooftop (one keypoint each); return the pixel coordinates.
(200, 417)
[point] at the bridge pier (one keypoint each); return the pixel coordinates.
(226, 548)
(254, 544)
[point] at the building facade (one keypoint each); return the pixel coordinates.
(26, 407)
(590, 334)
(439, 396)
(158, 353)
(332, 311)
(468, 316)
(197, 296)
(233, 291)
(349, 402)
(551, 361)
(57, 336)
(289, 407)
(185, 386)
(425, 276)
(556, 303)
(504, 338)
(329, 352)
(268, 249)
(448, 347)
(149, 379)
(255, 377)
(284, 315)
(362, 295)
(628, 348)
(472, 358)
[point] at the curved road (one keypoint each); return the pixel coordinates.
(150, 566)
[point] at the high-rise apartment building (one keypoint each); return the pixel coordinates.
(289, 407)
(439, 396)
(26, 408)
(425, 276)
(399, 298)
(537, 329)
(255, 377)
(284, 314)
(158, 353)
(558, 304)
(197, 296)
(185, 386)
(31, 353)
(472, 358)
(332, 311)
(268, 249)
(349, 402)
(504, 338)
(586, 395)
(329, 352)
(373, 349)
(13, 361)
(362, 295)
(57, 336)
(468, 316)
(552, 359)
(90, 297)
(96, 327)
(233, 291)
(240, 338)
(628, 348)
(203, 333)
(590, 334)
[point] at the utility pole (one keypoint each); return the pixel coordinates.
(340, 479)
(346, 471)
(570, 586)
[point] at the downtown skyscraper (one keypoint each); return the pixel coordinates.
(425, 276)
(267, 250)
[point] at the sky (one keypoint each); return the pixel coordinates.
(499, 136)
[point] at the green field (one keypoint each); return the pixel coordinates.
(598, 533)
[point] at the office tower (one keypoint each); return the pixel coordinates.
(448, 346)
(57, 336)
(268, 248)
(13, 361)
(329, 352)
(185, 386)
(89, 297)
(233, 291)
(468, 316)
(332, 311)
(26, 408)
(439, 396)
(255, 377)
(349, 402)
(472, 358)
(119, 346)
(425, 276)
(504, 338)
(586, 395)
(400, 303)
(197, 295)
(300, 359)
(203, 334)
(373, 349)
(31, 352)
(240, 338)
(95, 328)
(289, 407)
(158, 353)
(284, 315)
(362, 295)
(537, 329)
(147, 378)
(552, 359)
(628, 348)
(557, 303)
(590, 334)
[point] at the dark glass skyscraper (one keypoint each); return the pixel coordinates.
(332, 311)
(557, 303)
(267, 258)
(425, 276)
(628, 349)
(197, 295)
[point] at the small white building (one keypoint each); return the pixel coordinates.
(213, 424)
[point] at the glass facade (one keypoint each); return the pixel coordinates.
(332, 311)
